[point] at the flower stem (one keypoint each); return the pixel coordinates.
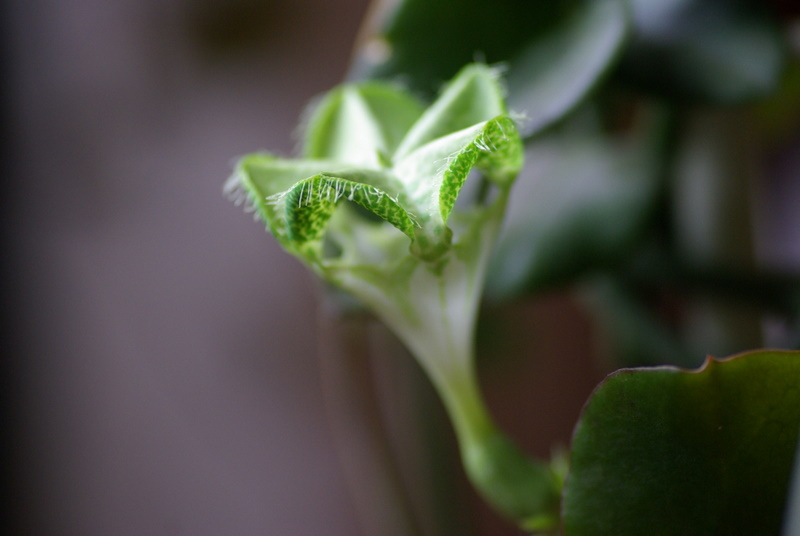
(518, 487)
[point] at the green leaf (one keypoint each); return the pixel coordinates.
(718, 51)
(360, 124)
(555, 71)
(428, 293)
(665, 451)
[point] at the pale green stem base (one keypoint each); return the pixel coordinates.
(433, 310)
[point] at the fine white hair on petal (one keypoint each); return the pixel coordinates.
(339, 191)
(481, 144)
(277, 199)
(234, 190)
(498, 71)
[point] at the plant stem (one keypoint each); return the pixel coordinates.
(520, 488)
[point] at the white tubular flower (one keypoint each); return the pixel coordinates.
(372, 208)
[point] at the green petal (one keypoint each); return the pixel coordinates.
(310, 203)
(474, 96)
(434, 174)
(260, 176)
(360, 124)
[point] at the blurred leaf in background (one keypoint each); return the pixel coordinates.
(582, 204)
(555, 51)
(712, 51)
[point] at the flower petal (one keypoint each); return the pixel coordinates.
(260, 176)
(310, 203)
(473, 96)
(434, 174)
(360, 124)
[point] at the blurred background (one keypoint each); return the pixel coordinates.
(164, 376)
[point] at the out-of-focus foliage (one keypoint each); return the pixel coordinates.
(555, 51)
(716, 51)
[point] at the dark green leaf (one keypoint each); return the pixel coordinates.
(665, 451)
(428, 42)
(720, 51)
